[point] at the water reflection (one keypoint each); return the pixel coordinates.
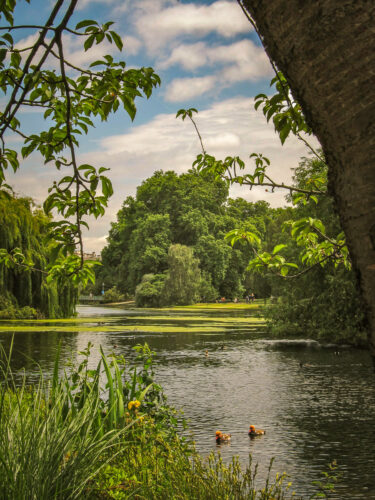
(315, 405)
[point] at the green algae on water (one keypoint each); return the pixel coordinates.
(111, 328)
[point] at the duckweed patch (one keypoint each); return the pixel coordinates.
(169, 320)
(86, 319)
(112, 328)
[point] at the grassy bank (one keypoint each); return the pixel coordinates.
(108, 433)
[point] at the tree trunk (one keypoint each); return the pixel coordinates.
(326, 50)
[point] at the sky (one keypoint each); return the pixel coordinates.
(208, 57)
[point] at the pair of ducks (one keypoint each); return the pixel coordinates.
(224, 438)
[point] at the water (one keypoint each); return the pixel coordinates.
(313, 414)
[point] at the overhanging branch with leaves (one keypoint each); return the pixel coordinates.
(71, 96)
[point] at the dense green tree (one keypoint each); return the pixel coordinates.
(190, 209)
(147, 251)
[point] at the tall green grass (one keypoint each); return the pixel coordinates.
(49, 446)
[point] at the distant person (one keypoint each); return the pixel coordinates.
(235, 300)
(252, 297)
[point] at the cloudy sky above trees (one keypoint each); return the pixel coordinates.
(209, 58)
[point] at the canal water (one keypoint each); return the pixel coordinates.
(316, 404)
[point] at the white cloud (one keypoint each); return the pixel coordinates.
(183, 89)
(82, 4)
(223, 141)
(131, 45)
(189, 56)
(161, 25)
(240, 54)
(142, 6)
(240, 61)
(27, 42)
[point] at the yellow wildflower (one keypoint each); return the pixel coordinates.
(133, 404)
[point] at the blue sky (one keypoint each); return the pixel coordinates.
(208, 57)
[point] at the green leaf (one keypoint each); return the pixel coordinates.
(284, 132)
(278, 248)
(284, 271)
(181, 112)
(89, 42)
(129, 106)
(291, 264)
(97, 63)
(8, 37)
(3, 53)
(15, 59)
(86, 22)
(117, 40)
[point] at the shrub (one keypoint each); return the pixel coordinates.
(150, 292)
(8, 310)
(113, 295)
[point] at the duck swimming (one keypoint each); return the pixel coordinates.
(222, 438)
(255, 432)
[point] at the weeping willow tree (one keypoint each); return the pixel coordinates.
(24, 290)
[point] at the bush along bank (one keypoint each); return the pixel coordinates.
(108, 433)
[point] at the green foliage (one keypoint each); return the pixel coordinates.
(113, 295)
(166, 471)
(47, 450)
(71, 98)
(9, 311)
(207, 292)
(320, 249)
(25, 257)
(322, 305)
(109, 433)
(150, 291)
(310, 239)
(326, 485)
(286, 114)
